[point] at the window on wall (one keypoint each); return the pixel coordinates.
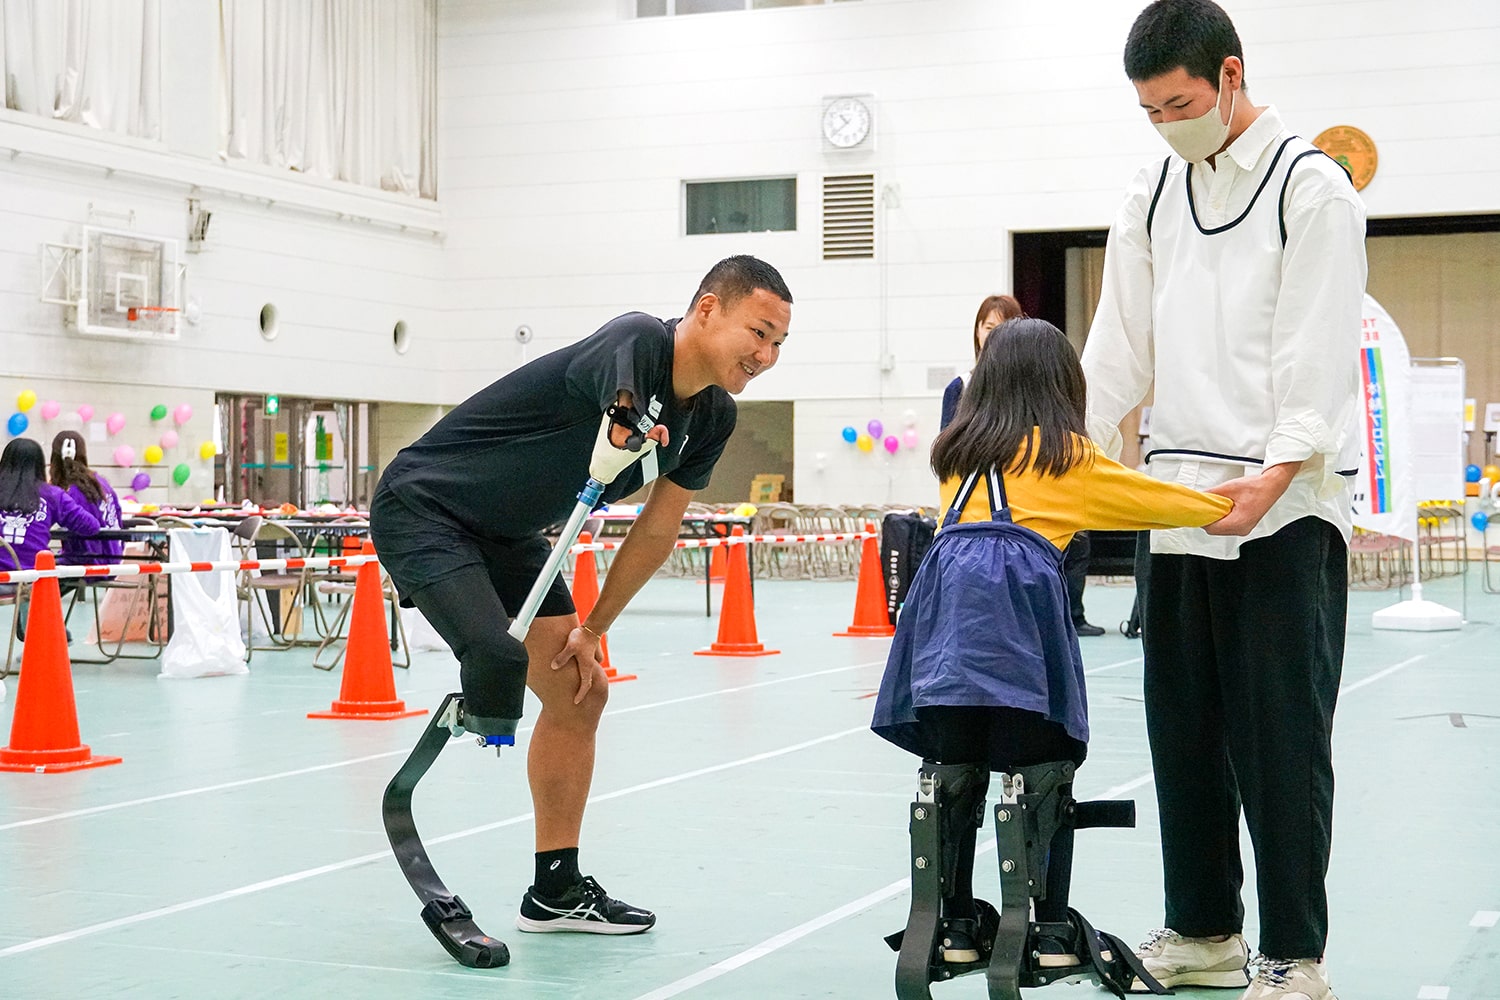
(756, 206)
(666, 8)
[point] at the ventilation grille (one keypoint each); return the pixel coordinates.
(938, 376)
(849, 217)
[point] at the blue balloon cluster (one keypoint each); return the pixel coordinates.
(17, 424)
(1472, 474)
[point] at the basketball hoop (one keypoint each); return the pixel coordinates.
(134, 312)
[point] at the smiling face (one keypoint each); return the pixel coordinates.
(746, 337)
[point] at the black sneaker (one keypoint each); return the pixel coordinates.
(586, 909)
(1088, 628)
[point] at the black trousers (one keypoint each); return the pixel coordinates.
(1243, 660)
(1076, 572)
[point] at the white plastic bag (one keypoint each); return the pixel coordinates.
(206, 638)
(421, 637)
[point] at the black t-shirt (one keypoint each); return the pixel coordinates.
(510, 460)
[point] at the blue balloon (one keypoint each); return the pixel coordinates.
(1472, 474)
(17, 424)
(850, 434)
(1480, 520)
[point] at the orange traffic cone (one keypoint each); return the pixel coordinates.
(44, 731)
(368, 690)
(586, 595)
(737, 616)
(870, 615)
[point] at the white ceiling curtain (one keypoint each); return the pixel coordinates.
(342, 89)
(92, 62)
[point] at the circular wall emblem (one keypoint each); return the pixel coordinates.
(1353, 149)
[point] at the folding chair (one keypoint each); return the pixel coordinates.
(13, 594)
(334, 638)
(259, 539)
(94, 592)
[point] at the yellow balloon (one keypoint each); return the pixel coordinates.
(206, 450)
(864, 442)
(26, 400)
(153, 454)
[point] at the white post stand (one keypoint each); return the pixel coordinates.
(1417, 614)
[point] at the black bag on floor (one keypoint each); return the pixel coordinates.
(904, 540)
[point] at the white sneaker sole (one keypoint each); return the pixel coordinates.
(565, 925)
(1239, 978)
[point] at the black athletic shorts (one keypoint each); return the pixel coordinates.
(417, 550)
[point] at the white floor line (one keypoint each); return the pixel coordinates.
(785, 938)
(92, 810)
(337, 866)
(1432, 993)
(816, 924)
(1485, 918)
(1110, 666)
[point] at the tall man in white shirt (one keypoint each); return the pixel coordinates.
(1233, 280)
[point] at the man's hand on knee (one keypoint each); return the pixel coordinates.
(583, 654)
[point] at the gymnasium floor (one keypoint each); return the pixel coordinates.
(238, 850)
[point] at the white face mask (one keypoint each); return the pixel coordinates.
(1196, 139)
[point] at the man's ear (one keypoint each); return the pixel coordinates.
(707, 303)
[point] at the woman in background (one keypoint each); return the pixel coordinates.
(29, 507)
(70, 471)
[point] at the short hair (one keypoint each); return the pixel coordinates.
(1194, 34)
(1005, 305)
(733, 278)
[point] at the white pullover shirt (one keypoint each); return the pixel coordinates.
(1237, 289)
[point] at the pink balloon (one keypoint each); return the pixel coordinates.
(124, 455)
(169, 439)
(50, 409)
(86, 413)
(892, 445)
(182, 414)
(909, 438)
(116, 423)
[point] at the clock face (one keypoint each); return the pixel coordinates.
(846, 122)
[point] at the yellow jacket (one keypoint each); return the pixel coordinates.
(1096, 493)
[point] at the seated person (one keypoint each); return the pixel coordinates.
(29, 507)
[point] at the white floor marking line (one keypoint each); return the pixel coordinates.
(1433, 993)
(223, 786)
(1485, 918)
(1381, 675)
(785, 938)
(816, 924)
(1110, 666)
(337, 866)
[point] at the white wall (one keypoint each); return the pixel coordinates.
(568, 128)
(334, 259)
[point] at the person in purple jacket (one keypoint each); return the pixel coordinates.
(29, 507)
(69, 470)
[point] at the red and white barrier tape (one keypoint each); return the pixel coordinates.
(341, 562)
(709, 543)
(155, 568)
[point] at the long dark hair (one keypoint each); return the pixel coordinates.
(22, 470)
(74, 471)
(1028, 376)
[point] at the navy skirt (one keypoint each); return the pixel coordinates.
(985, 624)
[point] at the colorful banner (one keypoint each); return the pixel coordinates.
(1383, 497)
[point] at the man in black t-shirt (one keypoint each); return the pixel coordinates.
(458, 520)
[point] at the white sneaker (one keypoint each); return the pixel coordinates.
(1290, 979)
(1183, 961)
